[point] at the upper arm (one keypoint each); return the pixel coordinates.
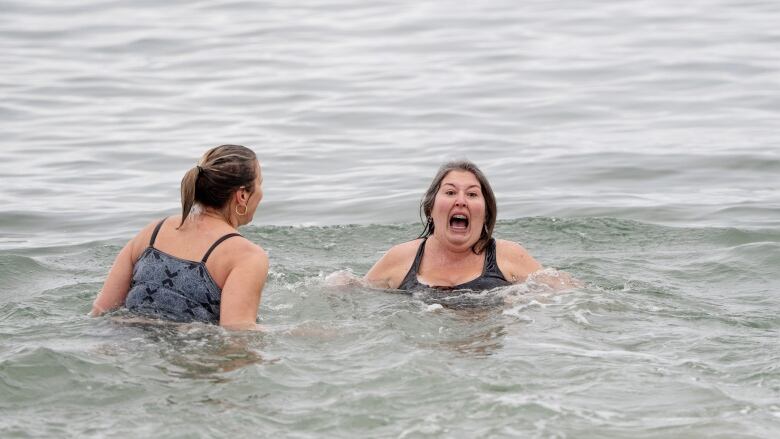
(379, 276)
(242, 290)
(117, 283)
(514, 261)
(390, 269)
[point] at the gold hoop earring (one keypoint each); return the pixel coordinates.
(239, 213)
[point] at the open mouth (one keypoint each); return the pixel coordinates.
(459, 222)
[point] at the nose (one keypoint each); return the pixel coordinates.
(460, 200)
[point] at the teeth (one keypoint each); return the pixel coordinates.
(461, 220)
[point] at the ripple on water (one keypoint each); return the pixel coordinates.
(632, 144)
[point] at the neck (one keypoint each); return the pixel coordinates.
(218, 215)
(449, 252)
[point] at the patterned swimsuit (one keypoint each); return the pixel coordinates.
(171, 288)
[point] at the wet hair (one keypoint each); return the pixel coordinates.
(219, 173)
(426, 204)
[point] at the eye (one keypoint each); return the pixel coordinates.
(473, 194)
(449, 192)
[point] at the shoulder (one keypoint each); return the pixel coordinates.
(245, 252)
(510, 249)
(145, 235)
(254, 254)
(390, 269)
(399, 257)
(514, 260)
(402, 252)
(141, 240)
(252, 265)
(244, 263)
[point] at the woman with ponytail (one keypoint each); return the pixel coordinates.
(196, 267)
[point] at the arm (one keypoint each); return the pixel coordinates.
(390, 269)
(117, 283)
(344, 278)
(381, 274)
(519, 266)
(242, 291)
(514, 261)
(554, 279)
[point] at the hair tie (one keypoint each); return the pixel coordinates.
(200, 170)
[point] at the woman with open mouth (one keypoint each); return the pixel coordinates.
(456, 250)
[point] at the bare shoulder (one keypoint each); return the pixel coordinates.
(245, 265)
(515, 261)
(146, 232)
(244, 251)
(143, 238)
(257, 254)
(145, 235)
(390, 269)
(402, 252)
(511, 249)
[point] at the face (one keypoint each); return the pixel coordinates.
(256, 196)
(459, 209)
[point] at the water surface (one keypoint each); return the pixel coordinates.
(632, 144)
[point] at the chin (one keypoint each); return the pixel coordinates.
(463, 240)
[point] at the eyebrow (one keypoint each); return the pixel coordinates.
(467, 187)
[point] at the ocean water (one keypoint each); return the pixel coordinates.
(633, 144)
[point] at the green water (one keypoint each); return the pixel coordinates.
(674, 335)
(633, 144)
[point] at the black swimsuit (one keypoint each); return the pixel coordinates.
(172, 288)
(491, 276)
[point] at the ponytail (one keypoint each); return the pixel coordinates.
(220, 172)
(188, 192)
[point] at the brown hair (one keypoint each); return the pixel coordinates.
(218, 174)
(426, 204)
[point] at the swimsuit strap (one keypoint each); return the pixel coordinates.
(491, 261)
(490, 257)
(156, 230)
(418, 259)
(218, 242)
(410, 280)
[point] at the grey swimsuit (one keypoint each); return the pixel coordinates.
(491, 276)
(172, 288)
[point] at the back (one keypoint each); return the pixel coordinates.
(166, 286)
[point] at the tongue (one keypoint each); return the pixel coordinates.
(458, 223)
